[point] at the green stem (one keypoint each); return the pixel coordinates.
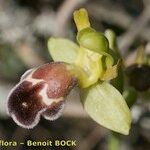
(114, 142)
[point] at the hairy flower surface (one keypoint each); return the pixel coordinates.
(40, 91)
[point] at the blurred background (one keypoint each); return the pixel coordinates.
(26, 25)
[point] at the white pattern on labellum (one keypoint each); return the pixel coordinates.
(40, 91)
(32, 80)
(48, 101)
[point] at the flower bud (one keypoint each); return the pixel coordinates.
(40, 91)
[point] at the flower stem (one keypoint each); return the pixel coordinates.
(114, 142)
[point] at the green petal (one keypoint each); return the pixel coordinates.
(111, 72)
(111, 36)
(107, 107)
(62, 50)
(109, 60)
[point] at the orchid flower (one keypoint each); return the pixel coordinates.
(90, 64)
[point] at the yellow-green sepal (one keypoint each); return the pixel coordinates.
(62, 49)
(106, 106)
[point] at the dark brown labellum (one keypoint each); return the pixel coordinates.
(41, 91)
(54, 111)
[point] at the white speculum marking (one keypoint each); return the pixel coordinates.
(32, 80)
(48, 101)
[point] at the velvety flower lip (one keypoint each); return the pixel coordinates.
(25, 104)
(41, 90)
(54, 111)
